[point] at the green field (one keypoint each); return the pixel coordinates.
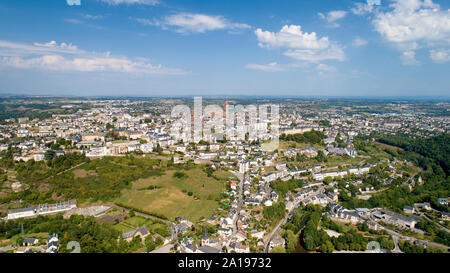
(137, 221)
(171, 198)
(284, 144)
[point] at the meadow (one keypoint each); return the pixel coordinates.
(194, 196)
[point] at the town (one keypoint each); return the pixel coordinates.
(344, 176)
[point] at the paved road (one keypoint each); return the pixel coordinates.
(240, 200)
(437, 224)
(275, 231)
(396, 248)
(163, 249)
(412, 239)
(7, 248)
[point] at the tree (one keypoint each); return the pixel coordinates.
(278, 249)
(291, 241)
(19, 241)
(49, 155)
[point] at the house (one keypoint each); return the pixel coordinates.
(443, 201)
(278, 241)
(141, 231)
(269, 177)
(309, 151)
(181, 228)
(30, 241)
(52, 244)
(207, 249)
(243, 166)
(445, 216)
(238, 247)
(251, 202)
(397, 219)
(373, 225)
(224, 231)
(340, 213)
(350, 151)
(329, 140)
(426, 206)
(257, 234)
(290, 205)
(408, 209)
(351, 216)
(187, 246)
(240, 236)
(363, 212)
(281, 166)
(212, 220)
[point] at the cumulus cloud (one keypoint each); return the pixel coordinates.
(362, 8)
(409, 58)
(129, 2)
(291, 36)
(440, 56)
(333, 16)
(67, 57)
(300, 45)
(414, 20)
(357, 42)
(414, 24)
(193, 23)
(325, 68)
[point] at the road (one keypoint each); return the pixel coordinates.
(163, 249)
(437, 224)
(396, 248)
(275, 231)
(240, 200)
(395, 235)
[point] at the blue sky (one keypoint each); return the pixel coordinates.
(225, 47)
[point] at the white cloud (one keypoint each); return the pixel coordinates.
(291, 37)
(73, 21)
(440, 56)
(334, 52)
(11, 49)
(193, 23)
(92, 17)
(67, 57)
(409, 58)
(129, 2)
(300, 45)
(414, 24)
(325, 68)
(362, 8)
(357, 42)
(414, 20)
(272, 67)
(333, 16)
